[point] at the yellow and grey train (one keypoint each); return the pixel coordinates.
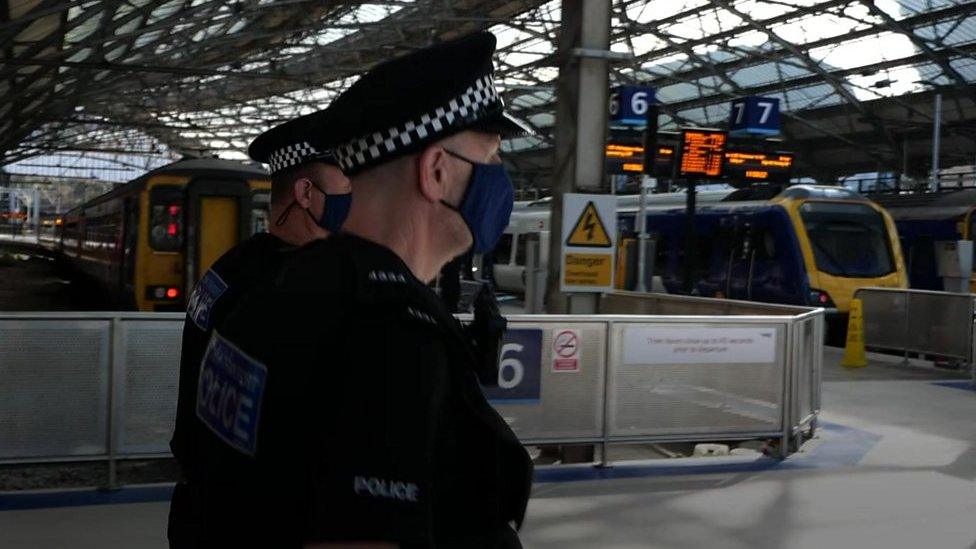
(148, 241)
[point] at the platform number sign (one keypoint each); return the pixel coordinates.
(519, 368)
(629, 104)
(755, 116)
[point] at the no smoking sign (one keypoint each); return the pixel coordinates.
(565, 350)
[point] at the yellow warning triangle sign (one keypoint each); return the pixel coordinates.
(589, 231)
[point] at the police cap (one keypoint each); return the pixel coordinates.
(402, 105)
(295, 142)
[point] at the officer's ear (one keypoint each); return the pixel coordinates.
(302, 192)
(433, 173)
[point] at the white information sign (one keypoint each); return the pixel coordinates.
(699, 345)
(589, 242)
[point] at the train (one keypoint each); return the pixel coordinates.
(148, 241)
(926, 222)
(508, 257)
(808, 245)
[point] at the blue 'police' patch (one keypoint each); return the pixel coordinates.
(205, 294)
(229, 393)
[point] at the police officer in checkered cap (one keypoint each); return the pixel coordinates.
(305, 178)
(372, 426)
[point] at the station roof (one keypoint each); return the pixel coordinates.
(142, 82)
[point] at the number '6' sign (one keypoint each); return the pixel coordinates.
(519, 366)
(629, 104)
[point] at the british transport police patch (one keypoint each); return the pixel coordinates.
(206, 293)
(229, 392)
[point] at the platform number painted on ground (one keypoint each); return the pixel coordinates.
(519, 368)
(565, 350)
(589, 232)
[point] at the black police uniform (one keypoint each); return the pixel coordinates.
(220, 290)
(340, 397)
(217, 292)
(373, 422)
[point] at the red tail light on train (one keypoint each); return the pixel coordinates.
(163, 293)
(166, 229)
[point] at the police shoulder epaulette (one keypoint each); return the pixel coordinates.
(387, 276)
(420, 315)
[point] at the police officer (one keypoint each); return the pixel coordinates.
(343, 392)
(305, 179)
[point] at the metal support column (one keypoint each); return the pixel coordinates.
(114, 381)
(581, 124)
(36, 210)
(936, 142)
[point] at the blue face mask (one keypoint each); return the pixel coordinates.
(487, 203)
(336, 210)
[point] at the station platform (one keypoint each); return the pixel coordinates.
(32, 280)
(893, 465)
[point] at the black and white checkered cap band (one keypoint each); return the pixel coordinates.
(292, 155)
(364, 150)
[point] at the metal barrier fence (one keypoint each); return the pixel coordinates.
(919, 321)
(102, 386)
(806, 335)
(642, 303)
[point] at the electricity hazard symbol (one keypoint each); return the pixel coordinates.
(588, 234)
(589, 231)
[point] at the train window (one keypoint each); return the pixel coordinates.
(972, 235)
(166, 221)
(662, 254)
(849, 240)
(763, 243)
(260, 211)
(503, 250)
(520, 249)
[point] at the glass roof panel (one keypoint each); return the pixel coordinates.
(229, 71)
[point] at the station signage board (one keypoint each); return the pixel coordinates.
(625, 153)
(743, 166)
(702, 152)
(589, 242)
(629, 105)
(755, 115)
(624, 158)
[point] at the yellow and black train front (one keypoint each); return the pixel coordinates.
(148, 241)
(809, 245)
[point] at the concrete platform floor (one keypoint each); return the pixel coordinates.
(893, 467)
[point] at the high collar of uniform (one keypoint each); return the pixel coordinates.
(375, 262)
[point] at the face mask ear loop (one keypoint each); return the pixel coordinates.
(471, 181)
(284, 215)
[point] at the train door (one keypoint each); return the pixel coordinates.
(734, 251)
(968, 232)
(219, 216)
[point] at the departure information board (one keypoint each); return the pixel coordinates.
(745, 166)
(629, 159)
(624, 158)
(702, 153)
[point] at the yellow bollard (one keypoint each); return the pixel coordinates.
(854, 355)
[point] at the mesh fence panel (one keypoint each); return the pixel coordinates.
(54, 387)
(147, 384)
(570, 403)
(658, 398)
